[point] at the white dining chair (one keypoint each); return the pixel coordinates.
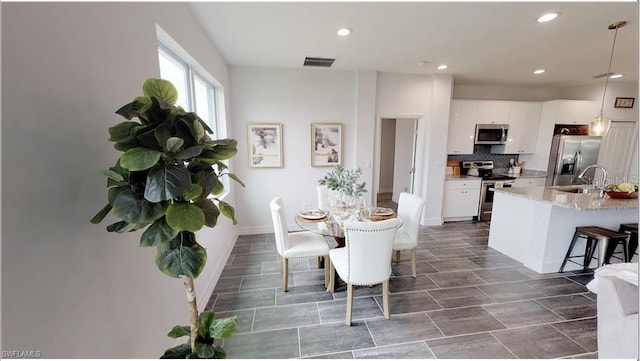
(293, 245)
(410, 208)
(365, 260)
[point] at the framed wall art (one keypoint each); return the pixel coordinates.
(624, 102)
(326, 144)
(265, 145)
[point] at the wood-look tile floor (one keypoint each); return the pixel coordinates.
(467, 302)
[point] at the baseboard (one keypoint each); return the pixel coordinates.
(432, 221)
(255, 230)
(215, 276)
(385, 190)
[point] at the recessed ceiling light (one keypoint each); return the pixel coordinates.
(615, 76)
(539, 71)
(547, 17)
(344, 31)
(442, 67)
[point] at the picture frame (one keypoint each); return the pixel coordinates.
(624, 102)
(326, 144)
(265, 145)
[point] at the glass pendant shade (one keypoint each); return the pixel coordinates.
(599, 126)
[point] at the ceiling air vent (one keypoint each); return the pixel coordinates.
(321, 62)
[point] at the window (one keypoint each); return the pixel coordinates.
(195, 92)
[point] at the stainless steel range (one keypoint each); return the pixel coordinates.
(484, 169)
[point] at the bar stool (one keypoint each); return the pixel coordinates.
(632, 230)
(604, 239)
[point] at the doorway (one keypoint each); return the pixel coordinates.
(397, 159)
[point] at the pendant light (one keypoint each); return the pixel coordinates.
(600, 125)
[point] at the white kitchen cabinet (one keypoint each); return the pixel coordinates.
(461, 199)
(524, 121)
(529, 182)
(493, 112)
(462, 126)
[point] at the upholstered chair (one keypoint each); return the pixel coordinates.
(296, 244)
(365, 260)
(410, 208)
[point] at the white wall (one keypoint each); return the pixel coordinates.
(71, 289)
(427, 98)
(296, 98)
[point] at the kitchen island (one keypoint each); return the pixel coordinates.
(534, 225)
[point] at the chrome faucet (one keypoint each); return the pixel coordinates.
(600, 187)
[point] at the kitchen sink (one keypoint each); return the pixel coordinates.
(584, 190)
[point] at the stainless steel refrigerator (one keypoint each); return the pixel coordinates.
(570, 154)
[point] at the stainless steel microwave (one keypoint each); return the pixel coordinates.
(491, 133)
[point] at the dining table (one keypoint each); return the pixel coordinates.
(330, 222)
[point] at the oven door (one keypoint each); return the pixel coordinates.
(486, 198)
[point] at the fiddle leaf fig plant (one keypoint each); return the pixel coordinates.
(166, 183)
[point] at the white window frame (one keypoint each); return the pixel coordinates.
(166, 44)
(191, 74)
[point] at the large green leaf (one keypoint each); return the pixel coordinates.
(132, 109)
(160, 89)
(135, 209)
(204, 350)
(178, 352)
(198, 130)
(206, 321)
(228, 211)
(235, 178)
(124, 173)
(124, 132)
(194, 192)
(210, 210)
(113, 192)
(224, 148)
(113, 175)
(223, 327)
(120, 227)
(159, 232)
(181, 257)
(179, 331)
(185, 216)
(173, 144)
(139, 158)
(190, 152)
(206, 178)
(166, 182)
(101, 214)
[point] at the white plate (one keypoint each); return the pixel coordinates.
(313, 214)
(382, 211)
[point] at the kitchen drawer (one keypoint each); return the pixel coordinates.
(463, 184)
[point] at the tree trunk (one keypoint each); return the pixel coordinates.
(193, 310)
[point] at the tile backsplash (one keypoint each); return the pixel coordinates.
(483, 152)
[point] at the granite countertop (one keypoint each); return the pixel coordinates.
(525, 173)
(461, 176)
(578, 201)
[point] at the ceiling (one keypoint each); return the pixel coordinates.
(482, 42)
